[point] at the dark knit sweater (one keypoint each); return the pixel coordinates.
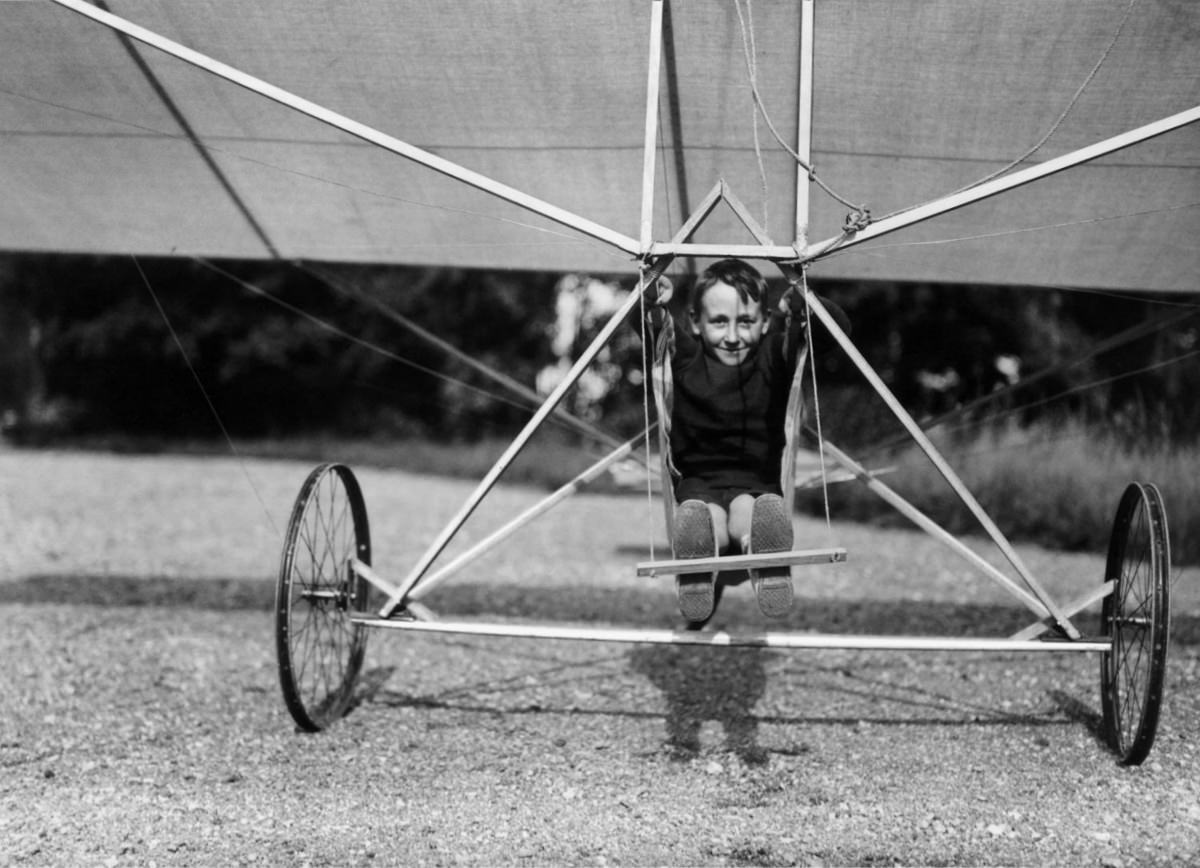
(727, 423)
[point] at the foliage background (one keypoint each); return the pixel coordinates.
(287, 349)
(305, 358)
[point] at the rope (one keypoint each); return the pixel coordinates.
(750, 52)
(858, 213)
(646, 386)
(859, 216)
(816, 398)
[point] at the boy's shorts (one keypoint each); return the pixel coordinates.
(693, 488)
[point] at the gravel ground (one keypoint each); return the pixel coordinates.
(142, 722)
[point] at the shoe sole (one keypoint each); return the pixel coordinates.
(694, 539)
(771, 531)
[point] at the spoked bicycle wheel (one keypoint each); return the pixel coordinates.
(320, 650)
(1135, 616)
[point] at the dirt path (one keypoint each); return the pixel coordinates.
(142, 722)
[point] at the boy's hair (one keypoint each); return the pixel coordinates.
(749, 284)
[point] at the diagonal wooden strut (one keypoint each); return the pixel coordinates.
(483, 546)
(940, 463)
(523, 438)
(355, 128)
(931, 527)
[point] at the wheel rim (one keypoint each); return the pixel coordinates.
(1135, 618)
(320, 649)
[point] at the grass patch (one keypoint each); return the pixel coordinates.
(1057, 486)
(550, 459)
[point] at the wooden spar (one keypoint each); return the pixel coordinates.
(773, 253)
(1000, 185)
(935, 530)
(804, 124)
(581, 364)
(651, 141)
(354, 128)
(939, 462)
(766, 639)
(625, 450)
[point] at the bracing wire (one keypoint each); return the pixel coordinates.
(204, 392)
(749, 51)
(1114, 342)
(522, 403)
(812, 367)
(874, 249)
(355, 339)
(1058, 122)
(1066, 393)
(860, 216)
(510, 385)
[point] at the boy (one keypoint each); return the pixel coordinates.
(732, 370)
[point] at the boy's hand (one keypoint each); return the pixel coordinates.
(792, 301)
(659, 294)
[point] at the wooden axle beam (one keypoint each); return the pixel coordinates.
(763, 639)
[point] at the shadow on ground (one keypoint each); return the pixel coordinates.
(698, 684)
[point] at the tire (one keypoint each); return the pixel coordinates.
(320, 650)
(1135, 616)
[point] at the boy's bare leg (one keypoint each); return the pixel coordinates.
(694, 537)
(771, 531)
(741, 514)
(722, 527)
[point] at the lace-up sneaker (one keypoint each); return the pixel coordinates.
(694, 538)
(771, 531)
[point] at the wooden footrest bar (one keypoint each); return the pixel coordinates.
(741, 562)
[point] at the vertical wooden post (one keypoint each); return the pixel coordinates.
(648, 154)
(804, 123)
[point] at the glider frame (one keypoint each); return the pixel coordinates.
(1140, 519)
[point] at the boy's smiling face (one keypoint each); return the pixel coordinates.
(728, 326)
